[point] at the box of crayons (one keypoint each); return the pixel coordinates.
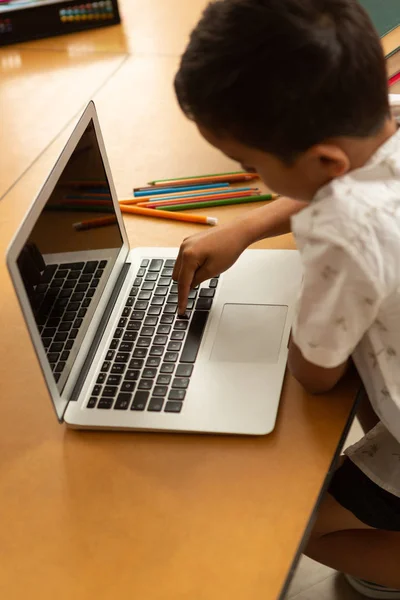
(22, 20)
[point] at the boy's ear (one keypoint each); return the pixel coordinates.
(332, 159)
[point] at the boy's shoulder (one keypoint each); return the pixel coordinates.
(363, 203)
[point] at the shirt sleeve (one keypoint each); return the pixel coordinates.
(338, 303)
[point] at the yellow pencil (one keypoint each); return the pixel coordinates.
(174, 216)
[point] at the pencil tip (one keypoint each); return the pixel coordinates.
(212, 220)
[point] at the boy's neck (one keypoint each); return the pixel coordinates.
(360, 151)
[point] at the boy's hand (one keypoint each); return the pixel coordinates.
(205, 255)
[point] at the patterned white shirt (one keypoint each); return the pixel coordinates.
(349, 240)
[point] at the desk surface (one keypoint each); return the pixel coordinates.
(157, 516)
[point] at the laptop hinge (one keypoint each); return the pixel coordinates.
(99, 333)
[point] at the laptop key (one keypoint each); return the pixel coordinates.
(102, 264)
(73, 275)
(180, 325)
(164, 281)
(122, 322)
(114, 344)
(167, 272)
(110, 355)
(167, 368)
(184, 370)
(163, 329)
(130, 336)
(49, 332)
(101, 378)
(69, 284)
(143, 342)
(126, 312)
(173, 407)
(106, 365)
(132, 375)
(53, 357)
(133, 326)
(154, 310)
(213, 282)
(73, 333)
(171, 356)
(157, 301)
(92, 403)
(129, 302)
(128, 386)
(99, 273)
(133, 291)
(91, 266)
(122, 357)
(118, 368)
(48, 273)
(139, 353)
(160, 291)
(69, 344)
(177, 394)
(96, 390)
(118, 332)
(165, 318)
(156, 264)
(177, 335)
(148, 285)
(95, 282)
(140, 400)
(141, 305)
(105, 403)
(174, 346)
(170, 309)
(194, 336)
(155, 405)
(149, 331)
(160, 340)
(145, 384)
(151, 277)
(180, 383)
(86, 278)
(64, 355)
(60, 366)
(137, 282)
(156, 350)
(123, 401)
(126, 346)
(163, 380)
(65, 326)
(76, 296)
(144, 262)
(90, 293)
(153, 361)
(160, 390)
(109, 390)
(141, 272)
(172, 299)
(144, 295)
(69, 315)
(46, 342)
(137, 315)
(81, 287)
(136, 363)
(170, 263)
(56, 347)
(149, 373)
(207, 293)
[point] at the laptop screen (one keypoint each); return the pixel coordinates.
(69, 255)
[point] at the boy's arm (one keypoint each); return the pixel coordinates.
(205, 255)
(316, 380)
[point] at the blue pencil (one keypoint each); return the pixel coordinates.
(157, 191)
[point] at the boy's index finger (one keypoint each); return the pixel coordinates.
(185, 280)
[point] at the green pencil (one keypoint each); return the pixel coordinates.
(212, 203)
(156, 181)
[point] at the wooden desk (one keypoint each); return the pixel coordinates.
(156, 516)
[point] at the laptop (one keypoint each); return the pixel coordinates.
(103, 316)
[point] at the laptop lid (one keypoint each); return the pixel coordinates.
(64, 270)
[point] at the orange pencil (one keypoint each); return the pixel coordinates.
(175, 216)
(93, 223)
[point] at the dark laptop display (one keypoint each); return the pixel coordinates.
(67, 259)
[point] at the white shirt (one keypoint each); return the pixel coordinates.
(349, 240)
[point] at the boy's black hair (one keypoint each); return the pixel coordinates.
(283, 75)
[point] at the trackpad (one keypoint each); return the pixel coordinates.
(249, 333)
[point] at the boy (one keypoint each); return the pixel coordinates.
(317, 127)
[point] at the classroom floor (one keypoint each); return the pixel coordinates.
(313, 581)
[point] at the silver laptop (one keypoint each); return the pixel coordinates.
(103, 317)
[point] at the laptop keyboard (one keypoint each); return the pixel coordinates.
(63, 296)
(150, 359)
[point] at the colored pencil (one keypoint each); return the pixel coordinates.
(214, 203)
(150, 212)
(153, 191)
(196, 177)
(394, 78)
(94, 223)
(195, 201)
(201, 194)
